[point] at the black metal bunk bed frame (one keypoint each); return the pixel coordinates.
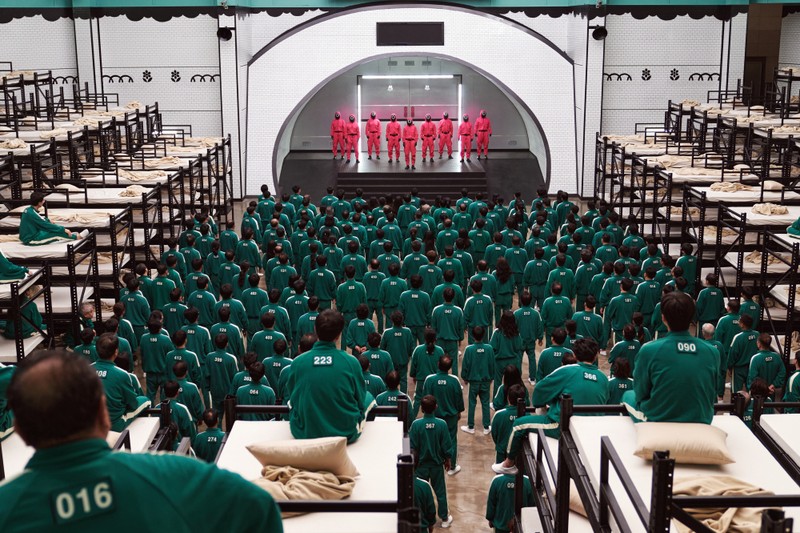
(18, 301)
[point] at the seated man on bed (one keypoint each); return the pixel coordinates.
(31, 318)
(326, 386)
(794, 229)
(36, 229)
(9, 271)
(675, 376)
(74, 482)
(583, 381)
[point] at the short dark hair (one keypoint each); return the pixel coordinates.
(210, 418)
(171, 389)
(43, 384)
(586, 349)
(256, 372)
(107, 346)
(677, 309)
(429, 404)
(329, 325)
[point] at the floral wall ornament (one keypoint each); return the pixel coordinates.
(674, 74)
(147, 77)
(175, 76)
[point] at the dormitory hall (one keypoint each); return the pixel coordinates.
(334, 266)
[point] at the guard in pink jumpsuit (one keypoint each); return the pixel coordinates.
(428, 133)
(337, 134)
(410, 138)
(393, 137)
(465, 136)
(446, 136)
(353, 133)
(373, 129)
(483, 130)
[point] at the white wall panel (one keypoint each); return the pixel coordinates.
(790, 41)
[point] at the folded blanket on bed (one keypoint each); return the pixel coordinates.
(696, 171)
(133, 191)
(721, 519)
(711, 231)
(13, 144)
(162, 162)
(208, 142)
(678, 211)
(755, 258)
(671, 161)
(730, 187)
(78, 217)
(18, 73)
(141, 175)
(289, 483)
(769, 209)
(46, 135)
(690, 103)
(133, 104)
(786, 129)
(89, 121)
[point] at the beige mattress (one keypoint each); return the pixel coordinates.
(785, 429)
(374, 454)
(8, 351)
(754, 219)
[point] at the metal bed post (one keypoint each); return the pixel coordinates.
(407, 514)
(563, 477)
(229, 408)
(124, 441)
(519, 461)
(402, 412)
(775, 521)
(661, 496)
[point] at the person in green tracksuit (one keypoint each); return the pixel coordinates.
(767, 365)
(621, 381)
(628, 347)
(380, 361)
(425, 501)
(556, 310)
(6, 416)
(321, 283)
(373, 384)
(415, 304)
(326, 387)
(274, 366)
(400, 343)
(504, 280)
(432, 275)
(255, 393)
(174, 318)
(448, 322)
(749, 306)
(531, 329)
(710, 303)
(137, 308)
(263, 342)
(179, 413)
(500, 503)
(742, 348)
(479, 308)
(87, 348)
(535, 275)
(676, 376)
(649, 294)
(221, 367)
(155, 346)
(350, 294)
(204, 302)
(9, 271)
(563, 275)
(424, 362)
(552, 357)
(503, 421)
(590, 324)
(242, 377)
(160, 288)
(180, 353)
(35, 229)
(586, 384)
(391, 289)
(620, 310)
(232, 332)
(478, 372)
(586, 271)
(507, 345)
(611, 286)
(728, 325)
(790, 394)
(206, 445)
(437, 297)
(372, 284)
(121, 399)
(707, 332)
(688, 263)
(72, 460)
(358, 331)
(253, 299)
(238, 314)
(430, 441)
(390, 397)
(189, 393)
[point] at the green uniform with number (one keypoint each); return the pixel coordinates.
(710, 306)
(619, 313)
(501, 500)
(255, 394)
(416, 308)
(479, 311)
(221, 367)
(550, 359)
(205, 303)
(743, 346)
(372, 283)
(586, 384)
(617, 388)
(531, 330)
(689, 265)
(555, 311)
(768, 366)
(502, 423)
(590, 325)
(263, 343)
(400, 344)
(423, 364)
(448, 322)
(792, 392)
(627, 349)
(389, 295)
(137, 311)
(534, 277)
(326, 394)
(155, 348)
(478, 371)
(87, 351)
(507, 351)
(380, 362)
(349, 295)
(430, 439)
(751, 308)
(674, 380)
(84, 486)
(357, 333)
(235, 345)
(121, 399)
(189, 395)
(437, 298)
(206, 445)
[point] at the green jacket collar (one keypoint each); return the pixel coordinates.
(67, 455)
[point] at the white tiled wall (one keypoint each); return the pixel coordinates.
(790, 41)
(670, 51)
(540, 77)
(174, 53)
(24, 44)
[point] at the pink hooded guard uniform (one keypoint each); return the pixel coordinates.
(337, 134)
(465, 136)
(445, 136)
(483, 130)
(428, 133)
(410, 138)
(393, 137)
(373, 130)
(353, 133)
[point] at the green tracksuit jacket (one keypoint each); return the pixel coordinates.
(220, 367)
(550, 359)
(416, 307)
(710, 305)
(501, 500)
(121, 398)
(252, 394)
(206, 445)
(478, 364)
(769, 366)
(448, 322)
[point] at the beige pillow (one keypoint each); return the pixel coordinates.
(327, 454)
(687, 443)
(772, 185)
(67, 187)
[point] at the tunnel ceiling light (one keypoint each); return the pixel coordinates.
(410, 77)
(390, 88)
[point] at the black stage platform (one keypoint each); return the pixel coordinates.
(503, 173)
